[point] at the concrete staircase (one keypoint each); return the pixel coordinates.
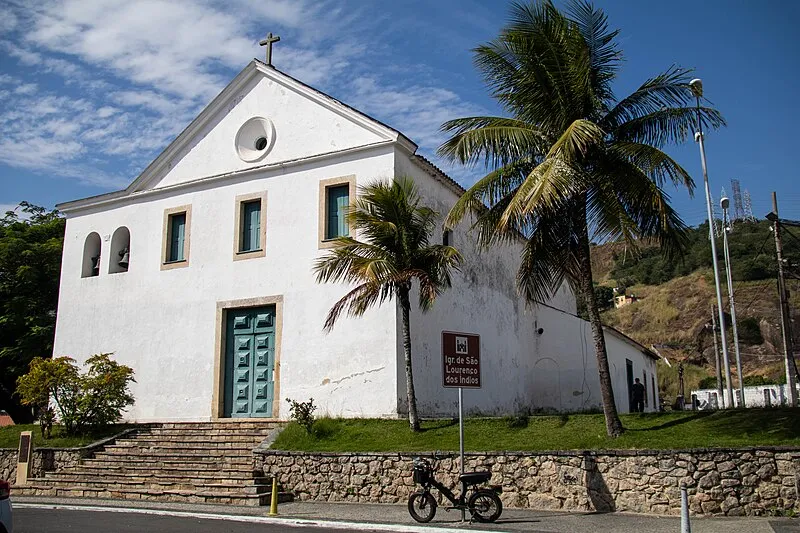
(207, 462)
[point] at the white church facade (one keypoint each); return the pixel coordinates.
(199, 276)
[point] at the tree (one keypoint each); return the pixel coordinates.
(91, 400)
(571, 159)
(30, 266)
(395, 251)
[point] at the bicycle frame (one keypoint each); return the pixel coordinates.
(459, 502)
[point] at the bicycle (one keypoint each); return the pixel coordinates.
(483, 503)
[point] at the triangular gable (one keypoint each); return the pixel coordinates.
(306, 123)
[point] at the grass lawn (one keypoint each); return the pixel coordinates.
(9, 436)
(749, 427)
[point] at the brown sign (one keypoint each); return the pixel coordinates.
(461, 360)
(24, 448)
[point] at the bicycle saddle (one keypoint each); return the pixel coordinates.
(473, 478)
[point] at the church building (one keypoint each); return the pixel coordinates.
(199, 276)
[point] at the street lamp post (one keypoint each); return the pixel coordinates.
(726, 227)
(697, 89)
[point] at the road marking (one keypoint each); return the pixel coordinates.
(290, 522)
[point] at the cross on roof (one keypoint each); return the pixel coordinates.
(268, 43)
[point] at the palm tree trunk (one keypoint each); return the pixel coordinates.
(405, 306)
(613, 423)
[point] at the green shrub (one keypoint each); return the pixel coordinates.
(92, 400)
(303, 413)
(709, 382)
(750, 381)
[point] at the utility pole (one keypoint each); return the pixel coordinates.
(696, 86)
(727, 226)
(785, 320)
(717, 363)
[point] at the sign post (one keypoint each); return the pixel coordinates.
(461, 368)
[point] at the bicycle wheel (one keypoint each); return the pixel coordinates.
(485, 506)
(422, 506)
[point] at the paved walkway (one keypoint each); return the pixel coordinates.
(397, 516)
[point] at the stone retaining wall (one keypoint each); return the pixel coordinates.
(50, 459)
(44, 460)
(731, 482)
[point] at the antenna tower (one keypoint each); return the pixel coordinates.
(748, 207)
(738, 208)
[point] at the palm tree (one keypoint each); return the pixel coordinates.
(394, 252)
(571, 160)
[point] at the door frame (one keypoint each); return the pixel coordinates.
(220, 334)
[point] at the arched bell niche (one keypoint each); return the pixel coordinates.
(91, 256)
(120, 252)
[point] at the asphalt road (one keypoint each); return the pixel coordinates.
(28, 520)
(301, 517)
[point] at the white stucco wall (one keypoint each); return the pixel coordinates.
(618, 351)
(302, 128)
(162, 322)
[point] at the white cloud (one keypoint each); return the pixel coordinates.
(147, 99)
(8, 20)
(25, 88)
(416, 110)
(106, 111)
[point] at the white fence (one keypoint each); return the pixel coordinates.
(754, 396)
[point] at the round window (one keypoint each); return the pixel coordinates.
(255, 139)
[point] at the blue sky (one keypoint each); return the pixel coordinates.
(92, 91)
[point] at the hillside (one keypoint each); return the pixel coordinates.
(675, 315)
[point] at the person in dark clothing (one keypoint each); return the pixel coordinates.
(637, 396)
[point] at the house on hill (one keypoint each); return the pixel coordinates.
(198, 275)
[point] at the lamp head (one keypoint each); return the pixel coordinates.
(724, 202)
(696, 85)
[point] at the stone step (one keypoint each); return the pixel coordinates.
(194, 453)
(138, 463)
(200, 437)
(159, 477)
(78, 483)
(137, 446)
(180, 496)
(189, 462)
(185, 471)
(232, 426)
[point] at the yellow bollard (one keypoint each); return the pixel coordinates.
(273, 505)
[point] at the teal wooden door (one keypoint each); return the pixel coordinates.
(250, 362)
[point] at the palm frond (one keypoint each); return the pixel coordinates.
(667, 126)
(654, 163)
(496, 141)
(357, 301)
(528, 67)
(489, 190)
(550, 254)
(644, 203)
(604, 54)
(548, 186)
(395, 250)
(667, 89)
(578, 139)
